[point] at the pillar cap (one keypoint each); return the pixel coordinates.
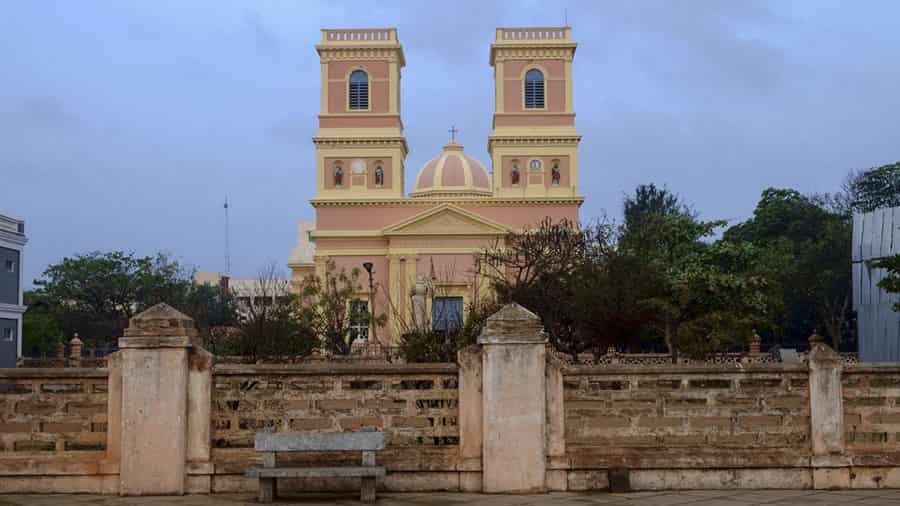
(159, 326)
(513, 324)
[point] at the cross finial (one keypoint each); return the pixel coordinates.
(453, 131)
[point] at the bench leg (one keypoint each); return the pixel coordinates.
(266, 489)
(368, 490)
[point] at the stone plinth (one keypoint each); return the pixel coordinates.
(154, 353)
(514, 402)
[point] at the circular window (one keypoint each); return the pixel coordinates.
(358, 166)
(536, 164)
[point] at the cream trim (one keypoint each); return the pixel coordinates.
(492, 227)
(482, 201)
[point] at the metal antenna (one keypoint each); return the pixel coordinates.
(566, 15)
(227, 242)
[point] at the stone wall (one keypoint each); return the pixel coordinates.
(684, 417)
(163, 418)
(871, 409)
(416, 405)
(53, 430)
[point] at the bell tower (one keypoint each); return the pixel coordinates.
(360, 147)
(534, 143)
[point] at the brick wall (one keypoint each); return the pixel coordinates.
(416, 405)
(52, 411)
(871, 409)
(686, 416)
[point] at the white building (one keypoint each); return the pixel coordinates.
(246, 291)
(12, 307)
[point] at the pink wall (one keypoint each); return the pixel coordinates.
(506, 163)
(379, 87)
(554, 84)
(371, 163)
(375, 218)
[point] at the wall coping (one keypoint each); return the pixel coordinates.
(52, 373)
(334, 369)
(607, 369)
(872, 368)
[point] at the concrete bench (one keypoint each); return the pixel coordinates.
(268, 444)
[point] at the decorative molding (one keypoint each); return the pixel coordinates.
(446, 219)
(480, 201)
(387, 54)
(569, 140)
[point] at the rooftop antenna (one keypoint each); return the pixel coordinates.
(566, 16)
(227, 242)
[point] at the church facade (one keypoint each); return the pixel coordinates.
(426, 241)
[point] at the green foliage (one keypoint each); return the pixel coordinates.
(40, 331)
(704, 295)
(96, 293)
(807, 259)
(891, 282)
(436, 346)
(875, 188)
(326, 306)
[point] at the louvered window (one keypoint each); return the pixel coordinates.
(359, 90)
(534, 89)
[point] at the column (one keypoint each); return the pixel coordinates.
(831, 468)
(154, 364)
(514, 402)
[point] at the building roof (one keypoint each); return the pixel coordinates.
(452, 173)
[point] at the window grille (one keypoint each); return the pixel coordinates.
(359, 319)
(534, 89)
(359, 90)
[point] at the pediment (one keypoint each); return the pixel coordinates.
(446, 219)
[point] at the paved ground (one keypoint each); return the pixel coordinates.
(692, 498)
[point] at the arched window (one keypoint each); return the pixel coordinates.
(359, 90)
(379, 176)
(534, 89)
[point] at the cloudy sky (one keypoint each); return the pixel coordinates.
(123, 125)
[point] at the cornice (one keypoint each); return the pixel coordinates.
(12, 237)
(358, 53)
(360, 142)
(506, 51)
(483, 201)
(558, 140)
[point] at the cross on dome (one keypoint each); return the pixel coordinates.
(453, 131)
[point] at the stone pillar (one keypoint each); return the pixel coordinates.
(557, 463)
(154, 354)
(470, 419)
(826, 416)
(199, 414)
(76, 345)
(514, 401)
(755, 344)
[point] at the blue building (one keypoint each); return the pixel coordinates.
(876, 235)
(12, 247)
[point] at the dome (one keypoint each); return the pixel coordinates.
(452, 173)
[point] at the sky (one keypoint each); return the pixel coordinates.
(124, 125)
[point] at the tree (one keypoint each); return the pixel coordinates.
(41, 333)
(871, 189)
(808, 259)
(95, 294)
(326, 307)
(272, 324)
(428, 345)
(891, 282)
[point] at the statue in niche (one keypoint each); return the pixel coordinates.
(338, 176)
(555, 175)
(379, 176)
(514, 175)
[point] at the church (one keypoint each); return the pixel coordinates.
(426, 242)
